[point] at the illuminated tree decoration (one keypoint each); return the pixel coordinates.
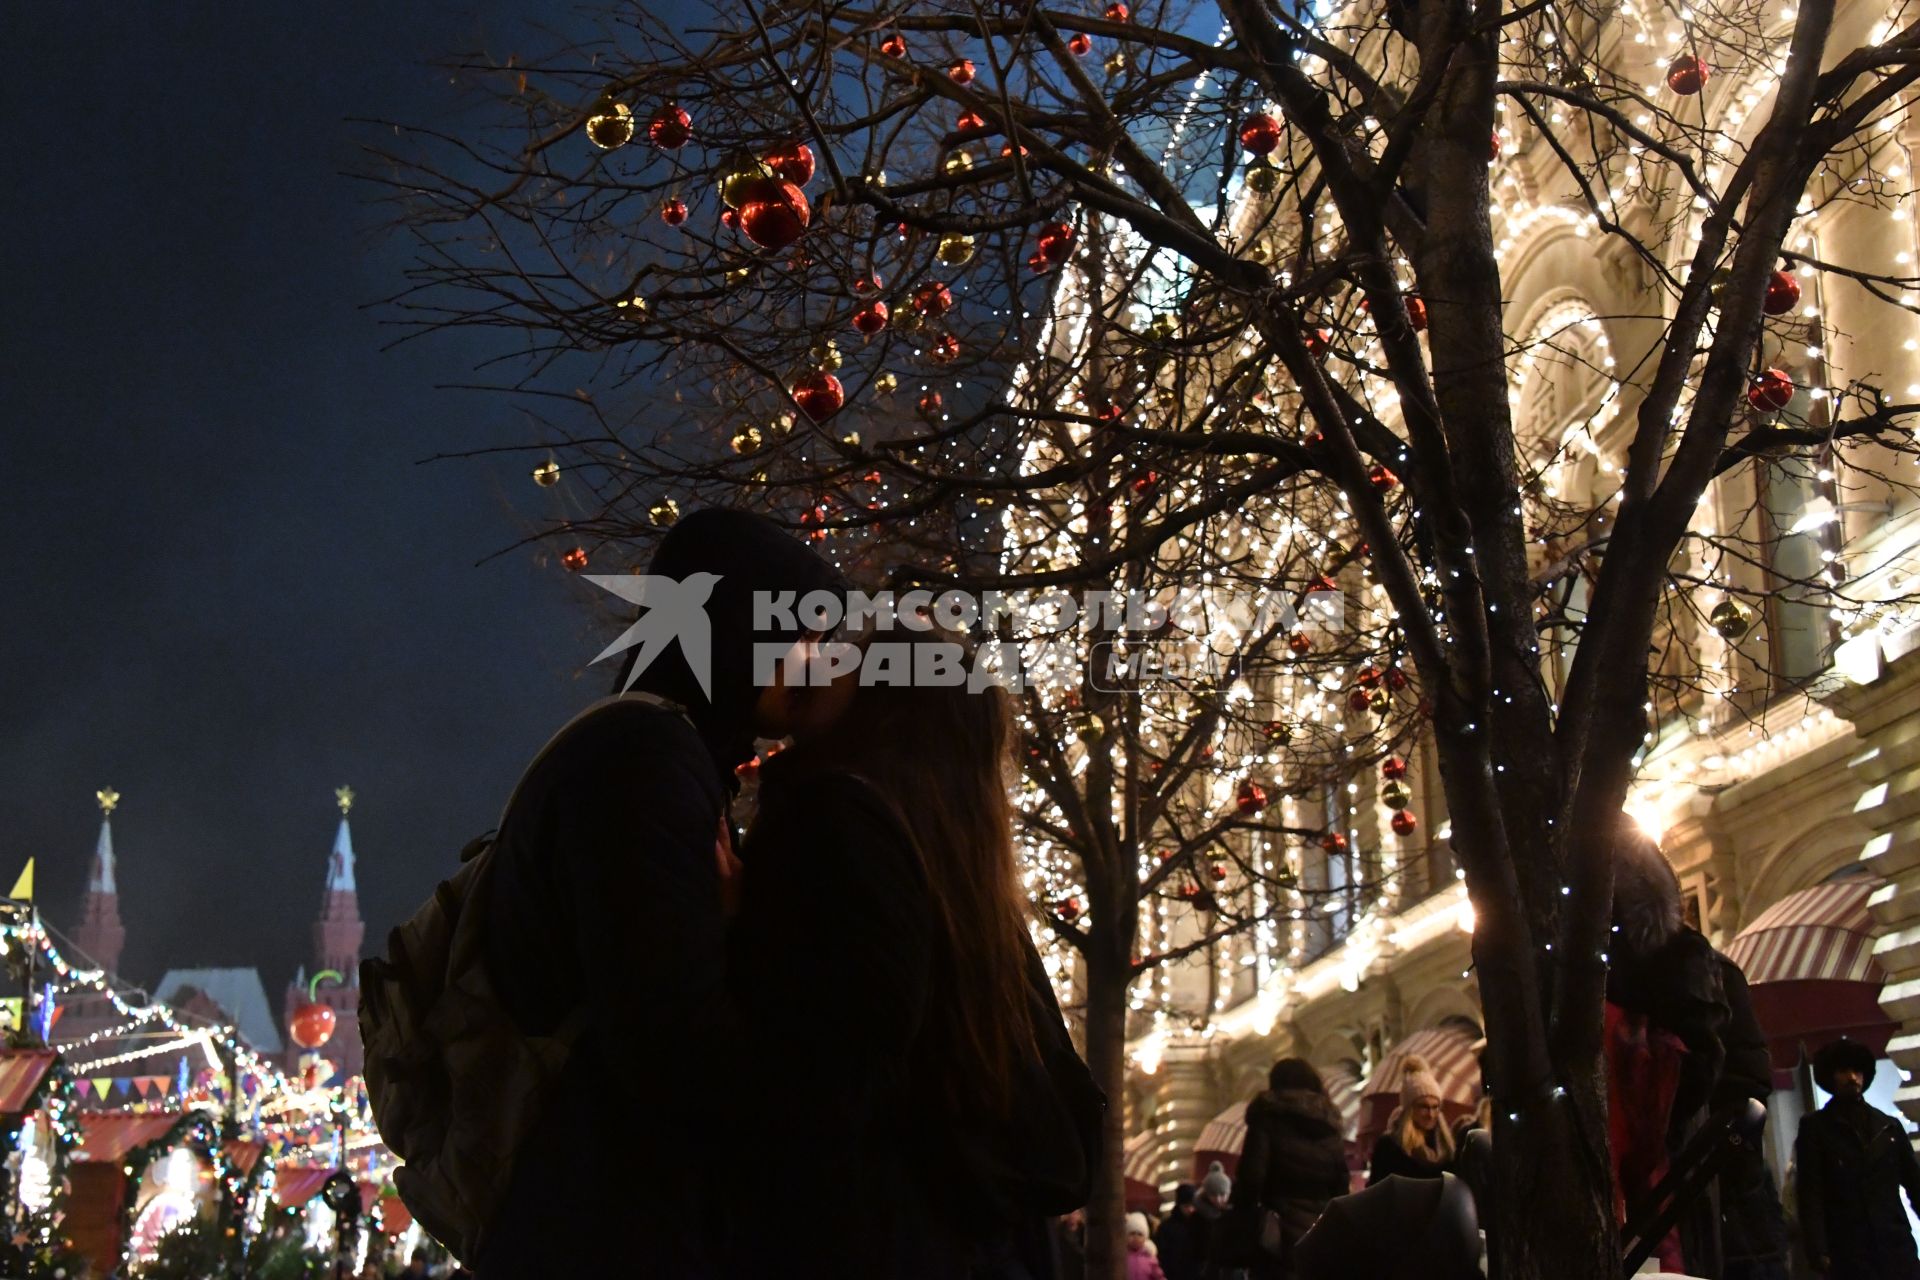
(671, 128)
(610, 124)
(1687, 75)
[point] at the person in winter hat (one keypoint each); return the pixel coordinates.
(1853, 1160)
(1293, 1164)
(1184, 1238)
(1141, 1262)
(1417, 1143)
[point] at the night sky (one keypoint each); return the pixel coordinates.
(228, 586)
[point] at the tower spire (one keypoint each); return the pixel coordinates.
(337, 936)
(100, 933)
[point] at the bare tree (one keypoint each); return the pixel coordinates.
(1140, 301)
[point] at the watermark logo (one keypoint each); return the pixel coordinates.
(676, 612)
(1121, 642)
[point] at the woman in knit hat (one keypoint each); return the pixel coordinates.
(1417, 1143)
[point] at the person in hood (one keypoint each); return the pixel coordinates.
(1182, 1238)
(604, 910)
(882, 966)
(1418, 1142)
(1293, 1164)
(1142, 1264)
(1853, 1161)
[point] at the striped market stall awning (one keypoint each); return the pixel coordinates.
(1141, 1164)
(1343, 1086)
(1450, 1050)
(1809, 964)
(1224, 1138)
(21, 1071)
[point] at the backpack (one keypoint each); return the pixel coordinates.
(455, 1085)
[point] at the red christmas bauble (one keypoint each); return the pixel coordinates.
(894, 46)
(932, 299)
(1688, 75)
(867, 284)
(1368, 677)
(1218, 872)
(1771, 392)
(1416, 313)
(1334, 842)
(1300, 644)
(930, 403)
(575, 560)
(1322, 583)
(1495, 155)
(1358, 700)
(1396, 679)
(1381, 478)
(1393, 768)
(871, 318)
(969, 121)
(1117, 12)
(1404, 822)
(312, 1024)
(946, 350)
(794, 162)
(1251, 797)
(671, 128)
(1783, 294)
(819, 395)
(773, 213)
(1111, 413)
(674, 212)
(1070, 910)
(1055, 244)
(730, 219)
(1080, 44)
(961, 72)
(1260, 134)
(1318, 340)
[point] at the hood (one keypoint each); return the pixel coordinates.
(1646, 894)
(1302, 1108)
(748, 554)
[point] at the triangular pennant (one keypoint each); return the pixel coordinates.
(23, 887)
(82, 1088)
(160, 1084)
(144, 1084)
(102, 1087)
(123, 1086)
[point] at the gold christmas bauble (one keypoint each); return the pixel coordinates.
(610, 125)
(1090, 728)
(746, 440)
(1116, 62)
(956, 162)
(1730, 619)
(955, 249)
(737, 179)
(547, 474)
(1263, 178)
(1165, 327)
(885, 384)
(851, 439)
(826, 355)
(1396, 794)
(664, 512)
(1380, 702)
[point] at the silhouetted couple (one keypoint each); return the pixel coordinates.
(836, 1055)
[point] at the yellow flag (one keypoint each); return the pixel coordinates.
(23, 887)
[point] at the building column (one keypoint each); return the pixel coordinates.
(1883, 701)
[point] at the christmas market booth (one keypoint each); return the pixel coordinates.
(136, 1176)
(36, 1120)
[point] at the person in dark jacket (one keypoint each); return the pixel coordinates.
(604, 903)
(1417, 1143)
(1853, 1161)
(1182, 1238)
(1399, 1229)
(882, 965)
(1294, 1162)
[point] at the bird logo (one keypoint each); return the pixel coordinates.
(676, 609)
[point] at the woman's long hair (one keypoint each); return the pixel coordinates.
(1434, 1149)
(942, 754)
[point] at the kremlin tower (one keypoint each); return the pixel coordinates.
(99, 933)
(337, 936)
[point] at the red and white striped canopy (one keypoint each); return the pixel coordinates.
(1448, 1049)
(1343, 1086)
(1225, 1134)
(1822, 934)
(1140, 1161)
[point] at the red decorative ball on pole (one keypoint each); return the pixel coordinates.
(1783, 294)
(819, 395)
(932, 299)
(1251, 797)
(1080, 44)
(1381, 478)
(894, 46)
(871, 318)
(312, 1025)
(1416, 313)
(674, 212)
(961, 72)
(1117, 12)
(1404, 822)
(1393, 768)
(1259, 134)
(1688, 75)
(671, 128)
(1771, 392)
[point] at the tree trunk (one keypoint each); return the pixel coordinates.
(1107, 1060)
(1552, 1206)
